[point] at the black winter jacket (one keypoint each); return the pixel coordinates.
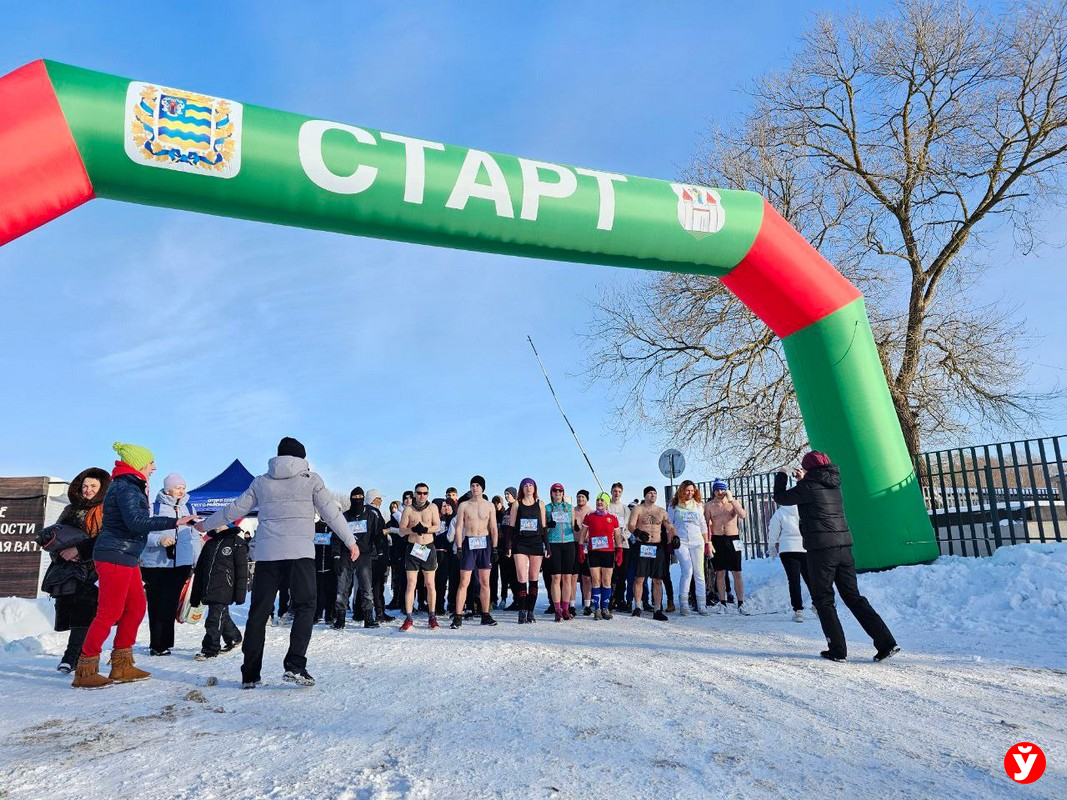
(818, 500)
(373, 542)
(127, 522)
(221, 576)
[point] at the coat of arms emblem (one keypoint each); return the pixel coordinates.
(700, 209)
(183, 131)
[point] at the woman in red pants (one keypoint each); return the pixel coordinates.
(123, 534)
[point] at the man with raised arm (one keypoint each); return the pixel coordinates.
(418, 524)
(476, 544)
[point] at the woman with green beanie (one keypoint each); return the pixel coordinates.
(124, 531)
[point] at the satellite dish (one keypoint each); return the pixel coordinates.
(671, 464)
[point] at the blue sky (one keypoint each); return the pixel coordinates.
(207, 339)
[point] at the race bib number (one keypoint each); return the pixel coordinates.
(561, 517)
(528, 525)
(358, 526)
(737, 544)
(689, 517)
(420, 551)
(323, 538)
(600, 542)
(648, 551)
(477, 542)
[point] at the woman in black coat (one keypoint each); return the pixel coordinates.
(71, 577)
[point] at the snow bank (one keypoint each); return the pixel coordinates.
(26, 625)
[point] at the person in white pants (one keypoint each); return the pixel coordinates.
(686, 513)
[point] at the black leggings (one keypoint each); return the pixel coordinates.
(162, 586)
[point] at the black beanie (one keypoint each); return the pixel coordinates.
(478, 479)
(291, 447)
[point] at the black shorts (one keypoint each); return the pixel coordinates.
(412, 564)
(528, 544)
(726, 558)
(646, 567)
(601, 559)
(482, 558)
(564, 560)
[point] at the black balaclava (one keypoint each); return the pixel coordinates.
(357, 504)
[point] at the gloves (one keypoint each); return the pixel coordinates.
(581, 555)
(551, 524)
(618, 556)
(420, 528)
(676, 543)
(642, 536)
(494, 558)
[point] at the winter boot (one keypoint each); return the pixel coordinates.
(122, 668)
(88, 675)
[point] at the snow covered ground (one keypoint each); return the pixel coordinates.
(695, 707)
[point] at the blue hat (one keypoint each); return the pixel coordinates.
(719, 484)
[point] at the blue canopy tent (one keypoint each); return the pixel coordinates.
(221, 490)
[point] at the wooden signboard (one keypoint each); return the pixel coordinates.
(22, 506)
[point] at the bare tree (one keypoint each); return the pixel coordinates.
(896, 145)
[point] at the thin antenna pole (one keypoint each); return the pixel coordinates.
(564, 413)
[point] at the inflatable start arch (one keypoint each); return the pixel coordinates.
(68, 135)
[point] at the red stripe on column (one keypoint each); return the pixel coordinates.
(784, 280)
(41, 172)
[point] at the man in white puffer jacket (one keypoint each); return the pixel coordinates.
(288, 496)
(784, 541)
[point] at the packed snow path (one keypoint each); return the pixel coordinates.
(723, 706)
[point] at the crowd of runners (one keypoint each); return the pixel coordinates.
(468, 555)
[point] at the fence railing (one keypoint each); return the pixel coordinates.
(979, 498)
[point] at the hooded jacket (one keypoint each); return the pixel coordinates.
(63, 577)
(372, 538)
(817, 497)
(221, 575)
(127, 521)
(288, 496)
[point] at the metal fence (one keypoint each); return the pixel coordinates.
(979, 498)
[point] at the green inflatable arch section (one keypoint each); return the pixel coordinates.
(68, 135)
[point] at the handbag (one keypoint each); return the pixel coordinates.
(187, 612)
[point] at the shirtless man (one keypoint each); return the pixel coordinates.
(418, 524)
(647, 521)
(722, 512)
(476, 544)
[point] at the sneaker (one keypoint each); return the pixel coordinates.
(798, 615)
(568, 614)
(202, 656)
(684, 611)
(383, 617)
(559, 616)
(457, 622)
(720, 608)
(647, 606)
(251, 684)
(522, 616)
(605, 613)
(571, 612)
(548, 610)
(882, 655)
(703, 611)
(587, 611)
(164, 652)
(741, 609)
(434, 624)
(371, 623)
(408, 623)
(228, 646)
(468, 614)
(300, 677)
(670, 607)
(487, 619)
(65, 668)
(659, 616)
(597, 614)
(831, 656)
(339, 625)
(729, 597)
(636, 612)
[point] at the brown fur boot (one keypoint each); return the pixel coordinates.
(122, 668)
(87, 675)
